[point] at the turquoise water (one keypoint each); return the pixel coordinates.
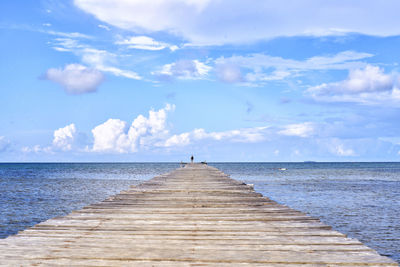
(359, 199)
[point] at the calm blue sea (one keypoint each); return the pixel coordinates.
(359, 199)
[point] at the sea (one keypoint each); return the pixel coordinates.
(360, 199)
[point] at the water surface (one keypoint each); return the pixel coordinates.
(358, 199)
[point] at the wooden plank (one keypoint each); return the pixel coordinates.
(193, 216)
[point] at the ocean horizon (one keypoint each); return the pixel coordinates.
(359, 199)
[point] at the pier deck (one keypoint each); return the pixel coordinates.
(193, 216)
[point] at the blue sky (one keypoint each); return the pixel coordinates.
(118, 80)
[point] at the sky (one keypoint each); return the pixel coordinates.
(224, 80)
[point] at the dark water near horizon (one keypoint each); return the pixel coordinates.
(361, 200)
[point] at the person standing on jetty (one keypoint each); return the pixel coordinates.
(191, 159)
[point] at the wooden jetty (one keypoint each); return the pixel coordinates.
(193, 216)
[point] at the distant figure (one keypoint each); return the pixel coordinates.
(191, 159)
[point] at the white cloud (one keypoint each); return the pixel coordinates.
(276, 75)
(76, 78)
(258, 66)
(341, 151)
(65, 137)
(184, 69)
(341, 60)
(112, 136)
(369, 85)
(229, 73)
(69, 34)
(305, 129)
(101, 60)
(37, 149)
(337, 148)
(244, 135)
(210, 22)
(151, 133)
(177, 140)
(67, 45)
(120, 72)
(115, 136)
(146, 43)
(105, 27)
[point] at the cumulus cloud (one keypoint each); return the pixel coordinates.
(184, 69)
(152, 133)
(177, 140)
(305, 129)
(146, 43)
(210, 22)
(369, 85)
(116, 136)
(76, 78)
(112, 136)
(65, 137)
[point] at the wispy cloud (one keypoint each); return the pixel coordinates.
(69, 34)
(145, 43)
(183, 69)
(305, 129)
(101, 60)
(256, 68)
(105, 27)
